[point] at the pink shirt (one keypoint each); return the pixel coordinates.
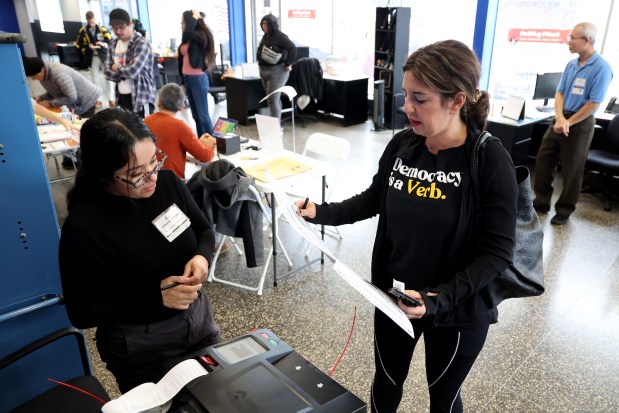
(187, 69)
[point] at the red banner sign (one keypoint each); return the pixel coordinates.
(538, 35)
(301, 14)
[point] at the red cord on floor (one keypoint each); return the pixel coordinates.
(352, 328)
(78, 389)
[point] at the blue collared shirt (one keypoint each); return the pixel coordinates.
(586, 83)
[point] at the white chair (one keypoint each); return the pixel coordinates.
(334, 152)
(223, 238)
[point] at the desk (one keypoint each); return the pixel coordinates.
(242, 97)
(343, 96)
(603, 119)
(515, 135)
(69, 55)
(55, 140)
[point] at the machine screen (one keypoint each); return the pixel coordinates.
(239, 350)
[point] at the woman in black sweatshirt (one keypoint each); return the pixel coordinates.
(427, 241)
(275, 55)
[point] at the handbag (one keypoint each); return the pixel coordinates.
(525, 275)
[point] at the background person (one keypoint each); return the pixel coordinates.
(64, 86)
(275, 55)
(581, 90)
(93, 41)
(53, 117)
(115, 259)
(426, 237)
(174, 136)
(130, 65)
(195, 54)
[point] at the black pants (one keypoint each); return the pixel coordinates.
(125, 102)
(571, 151)
(450, 354)
(138, 354)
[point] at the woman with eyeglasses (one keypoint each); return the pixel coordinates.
(134, 252)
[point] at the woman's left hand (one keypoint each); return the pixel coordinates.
(197, 269)
(195, 14)
(412, 313)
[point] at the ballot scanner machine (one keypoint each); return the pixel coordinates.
(259, 372)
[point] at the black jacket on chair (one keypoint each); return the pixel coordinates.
(306, 77)
(221, 190)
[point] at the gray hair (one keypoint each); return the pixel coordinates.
(588, 30)
(171, 97)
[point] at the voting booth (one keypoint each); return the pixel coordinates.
(31, 294)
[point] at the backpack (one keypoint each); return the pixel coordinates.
(525, 275)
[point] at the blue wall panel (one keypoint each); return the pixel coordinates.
(30, 283)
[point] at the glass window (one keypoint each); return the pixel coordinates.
(531, 38)
(165, 23)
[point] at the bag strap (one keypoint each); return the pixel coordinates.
(481, 141)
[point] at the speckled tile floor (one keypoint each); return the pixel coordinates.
(556, 353)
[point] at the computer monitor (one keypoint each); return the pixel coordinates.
(546, 86)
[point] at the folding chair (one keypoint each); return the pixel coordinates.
(267, 214)
(58, 398)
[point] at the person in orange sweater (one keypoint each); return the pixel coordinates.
(174, 136)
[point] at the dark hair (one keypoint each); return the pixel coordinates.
(138, 27)
(33, 65)
(107, 142)
(171, 97)
(119, 16)
(205, 33)
(450, 67)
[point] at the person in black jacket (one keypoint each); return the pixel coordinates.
(93, 41)
(427, 243)
(195, 54)
(275, 55)
(134, 252)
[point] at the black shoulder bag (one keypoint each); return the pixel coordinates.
(525, 275)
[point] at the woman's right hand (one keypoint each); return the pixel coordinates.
(195, 14)
(308, 212)
(180, 296)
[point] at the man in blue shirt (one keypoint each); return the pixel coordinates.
(580, 92)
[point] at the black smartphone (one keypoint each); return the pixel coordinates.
(407, 299)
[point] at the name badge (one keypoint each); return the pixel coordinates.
(579, 86)
(172, 222)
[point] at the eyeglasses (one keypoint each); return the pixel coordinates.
(142, 180)
(570, 39)
(118, 27)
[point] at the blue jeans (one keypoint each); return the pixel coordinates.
(196, 88)
(274, 77)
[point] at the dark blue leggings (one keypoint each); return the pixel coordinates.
(450, 354)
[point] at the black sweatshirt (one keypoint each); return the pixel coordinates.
(112, 258)
(417, 227)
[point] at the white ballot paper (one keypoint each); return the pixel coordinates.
(298, 223)
(375, 296)
(149, 395)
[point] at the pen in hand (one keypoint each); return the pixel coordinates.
(305, 203)
(167, 287)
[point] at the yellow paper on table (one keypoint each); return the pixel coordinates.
(279, 168)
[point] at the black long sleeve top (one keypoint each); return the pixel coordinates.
(459, 261)
(112, 258)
